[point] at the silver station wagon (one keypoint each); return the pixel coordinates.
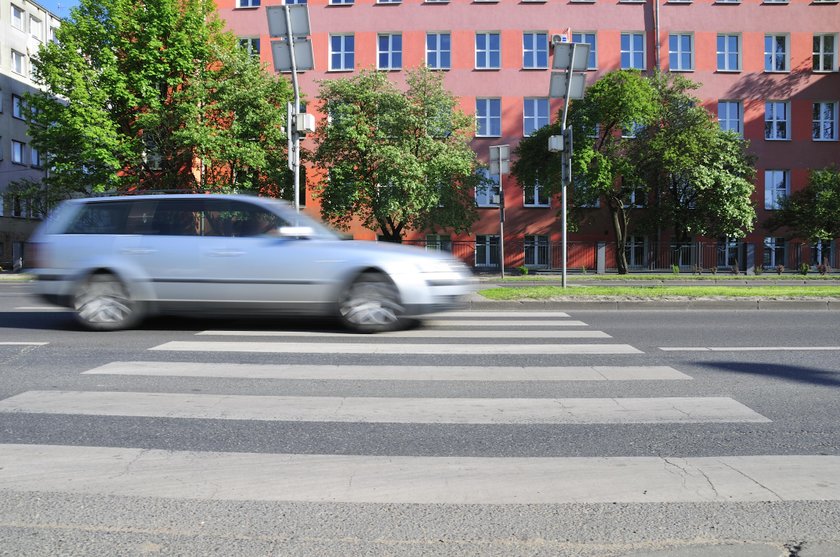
(115, 260)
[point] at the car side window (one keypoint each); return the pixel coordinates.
(177, 217)
(101, 218)
(240, 219)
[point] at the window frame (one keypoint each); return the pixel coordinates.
(822, 121)
(728, 118)
(17, 107)
(774, 195)
(822, 53)
(490, 117)
(538, 50)
(726, 53)
(484, 199)
(774, 121)
(393, 54)
(247, 4)
(679, 53)
(17, 17)
(539, 198)
(488, 52)
(21, 58)
(536, 116)
(344, 53)
(771, 57)
(631, 52)
(487, 242)
(592, 62)
(20, 146)
(539, 247)
(438, 50)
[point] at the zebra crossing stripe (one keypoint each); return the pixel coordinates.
(23, 343)
(417, 480)
(507, 323)
(390, 373)
(478, 314)
(748, 348)
(378, 349)
(387, 410)
(416, 333)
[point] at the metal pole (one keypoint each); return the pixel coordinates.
(292, 127)
(566, 163)
(501, 219)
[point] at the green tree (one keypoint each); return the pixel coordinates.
(155, 95)
(812, 213)
(700, 177)
(397, 160)
(603, 122)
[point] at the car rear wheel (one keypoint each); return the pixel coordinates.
(371, 304)
(102, 303)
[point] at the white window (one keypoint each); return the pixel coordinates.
(340, 2)
(632, 131)
(591, 40)
(486, 250)
(488, 196)
(488, 117)
(730, 116)
(290, 2)
(342, 52)
(774, 252)
(251, 45)
(776, 123)
(35, 157)
(536, 196)
(681, 52)
(635, 250)
(776, 187)
(17, 151)
(36, 27)
(388, 1)
(247, 3)
(825, 121)
(535, 111)
(776, 55)
(632, 51)
(437, 242)
(18, 62)
(536, 251)
(729, 53)
(389, 51)
(821, 252)
(488, 51)
(438, 51)
(17, 107)
(825, 53)
(535, 51)
(17, 18)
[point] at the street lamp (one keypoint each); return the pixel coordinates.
(568, 85)
(500, 164)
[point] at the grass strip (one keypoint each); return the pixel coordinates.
(655, 292)
(664, 277)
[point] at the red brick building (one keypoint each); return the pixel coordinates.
(768, 70)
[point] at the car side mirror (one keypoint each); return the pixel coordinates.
(296, 231)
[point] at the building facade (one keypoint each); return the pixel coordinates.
(24, 26)
(768, 70)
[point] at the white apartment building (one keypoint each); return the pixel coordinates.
(24, 27)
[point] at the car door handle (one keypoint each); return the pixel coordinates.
(226, 253)
(137, 251)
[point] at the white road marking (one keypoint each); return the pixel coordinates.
(41, 308)
(417, 333)
(417, 480)
(23, 343)
(391, 373)
(507, 323)
(387, 410)
(513, 314)
(748, 348)
(370, 348)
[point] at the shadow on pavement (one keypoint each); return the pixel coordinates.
(799, 374)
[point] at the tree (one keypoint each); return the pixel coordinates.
(396, 160)
(155, 95)
(700, 177)
(812, 213)
(603, 122)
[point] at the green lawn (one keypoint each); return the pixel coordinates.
(654, 292)
(663, 277)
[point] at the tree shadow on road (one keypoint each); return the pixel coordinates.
(798, 374)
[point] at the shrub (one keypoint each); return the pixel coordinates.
(804, 268)
(675, 269)
(523, 270)
(759, 268)
(780, 269)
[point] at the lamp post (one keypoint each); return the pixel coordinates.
(568, 85)
(500, 164)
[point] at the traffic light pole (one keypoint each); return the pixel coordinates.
(566, 161)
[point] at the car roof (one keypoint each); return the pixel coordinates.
(143, 197)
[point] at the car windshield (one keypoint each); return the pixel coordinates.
(319, 229)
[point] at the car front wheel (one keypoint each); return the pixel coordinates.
(371, 304)
(102, 303)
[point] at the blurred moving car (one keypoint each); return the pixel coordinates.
(115, 260)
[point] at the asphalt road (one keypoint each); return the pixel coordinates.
(740, 385)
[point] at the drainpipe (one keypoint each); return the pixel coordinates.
(656, 33)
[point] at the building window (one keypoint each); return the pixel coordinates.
(341, 2)
(17, 107)
(247, 3)
(488, 196)
(388, 1)
(389, 51)
(487, 51)
(290, 2)
(35, 157)
(824, 53)
(590, 39)
(774, 252)
(728, 53)
(635, 250)
(776, 53)
(536, 196)
(535, 51)
(437, 242)
(438, 51)
(632, 131)
(776, 187)
(17, 151)
(535, 111)
(825, 121)
(36, 27)
(536, 251)
(342, 52)
(729, 116)
(776, 120)
(17, 17)
(488, 117)
(251, 45)
(632, 51)
(680, 52)
(18, 64)
(821, 252)
(486, 250)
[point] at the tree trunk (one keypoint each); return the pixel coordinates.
(619, 221)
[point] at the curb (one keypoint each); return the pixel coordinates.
(649, 305)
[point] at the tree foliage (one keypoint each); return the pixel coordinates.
(700, 177)
(812, 213)
(396, 160)
(153, 94)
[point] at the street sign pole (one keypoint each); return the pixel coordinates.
(500, 164)
(292, 130)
